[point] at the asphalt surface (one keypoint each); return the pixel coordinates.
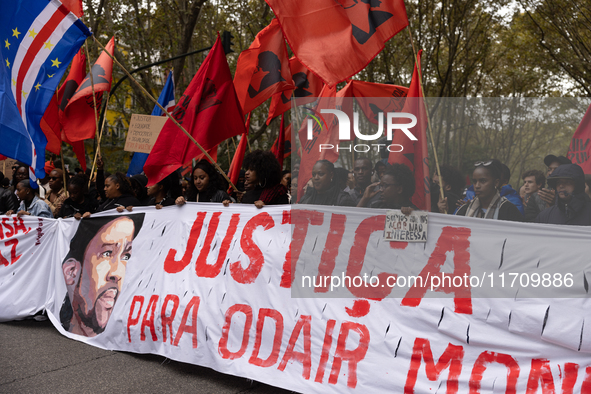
(36, 358)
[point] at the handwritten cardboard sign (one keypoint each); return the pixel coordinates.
(412, 228)
(143, 132)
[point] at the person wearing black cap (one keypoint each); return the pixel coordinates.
(552, 162)
(572, 206)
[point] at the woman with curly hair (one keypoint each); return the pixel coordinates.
(262, 180)
(207, 185)
(394, 191)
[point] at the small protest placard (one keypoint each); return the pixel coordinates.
(143, 132)
(411, 228)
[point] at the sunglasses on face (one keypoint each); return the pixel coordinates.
(54, 178)
(483, 163)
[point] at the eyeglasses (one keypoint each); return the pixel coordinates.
(483, 163)
(54, 178)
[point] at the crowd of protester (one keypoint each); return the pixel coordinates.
(561, 195)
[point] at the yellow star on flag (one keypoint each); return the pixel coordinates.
(13, 82)
(7, 63)
(48, 45)
(55, 63)
(15, 33)
(37, 86)
(50, 76)
(32, 33)
(7, 45)
(25, 94)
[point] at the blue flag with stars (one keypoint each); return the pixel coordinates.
(38, 39)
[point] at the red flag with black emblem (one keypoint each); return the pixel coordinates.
(209, 110)
(54, 118)
(337, 39)
(415, 154)
(81, 123)
(307, 87)
(374, 98)
(263, 69)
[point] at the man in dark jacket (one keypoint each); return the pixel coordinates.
(572, 206)
(8, 200)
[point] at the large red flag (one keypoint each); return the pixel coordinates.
(415, 154)
(579, 151)
(81, 124)
(208, 109)
(372, 98)
(263, 69)
(54, 117)
(337, 39)
(307, 87)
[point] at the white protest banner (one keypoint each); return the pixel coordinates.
(143, 132)
(212, 286)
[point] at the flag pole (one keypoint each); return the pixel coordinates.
(164, 111)
(100, 135)
(63, 170)
(442, 194)
(247, 131)
(96, 121)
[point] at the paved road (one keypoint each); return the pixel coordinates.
(36, 358)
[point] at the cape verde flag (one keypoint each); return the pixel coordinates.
(38, 39)
(166, 99)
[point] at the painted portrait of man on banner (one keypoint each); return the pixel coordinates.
(94, 271)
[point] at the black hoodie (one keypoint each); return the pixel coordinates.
(578, 210)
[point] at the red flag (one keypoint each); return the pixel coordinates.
(208, 109)
(367, 92)
(278, 148)
(286, 143)
(337, 39)
(236, 165)
(74, 6)
(263, 69)
(81, 124)
(415, 154)
(54, 118)
(579, 151)
(307, 88)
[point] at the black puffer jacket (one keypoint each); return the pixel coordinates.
(8, 201)
(578, 210)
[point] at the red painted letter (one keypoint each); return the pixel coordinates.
(223, 346)
(167, 320)
(487, 358)
(300, 223)
(132, 321)
(203, 269)
(452, 357)
(193, 305)
(353, 357)
(454, 239)
(250, 248)
(272, 359)
(304, 357)
(173, 266)
(148, 320)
